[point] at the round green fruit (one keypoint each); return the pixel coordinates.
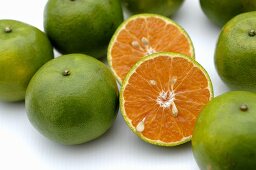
(82, 26)
(23, 50)
(221, 11)
(224, 137)
(162, 7)
(72, 99)
(235, 54)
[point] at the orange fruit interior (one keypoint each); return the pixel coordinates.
(163, 96)
(144, 35)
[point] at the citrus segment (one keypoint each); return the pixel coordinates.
(162, 96)
(142, 35)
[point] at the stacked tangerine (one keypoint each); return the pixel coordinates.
(163, 87)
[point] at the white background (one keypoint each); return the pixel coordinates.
(22, 147)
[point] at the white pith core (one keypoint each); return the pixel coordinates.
(166, 100)
(145, 46)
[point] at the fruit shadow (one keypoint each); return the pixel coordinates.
(116, 147)
(12, 107)
(179, 148)
(104, 60)
(120, 136)
(145, 148)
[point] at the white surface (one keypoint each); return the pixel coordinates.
(22, 147)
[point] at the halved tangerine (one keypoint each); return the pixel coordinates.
(162, 96)
(142, 35)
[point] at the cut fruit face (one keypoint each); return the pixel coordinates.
(162, 96)
(142, 35)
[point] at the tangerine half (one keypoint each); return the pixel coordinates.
(162, 95)
(142, 35)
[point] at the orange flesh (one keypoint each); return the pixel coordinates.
(161, 36)
(191, 91)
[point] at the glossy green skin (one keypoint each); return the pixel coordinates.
(221, 11)
(235, 54)
(76, 108)
(162, 7)
(22, 52)
(224, 137)
(84, 26)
